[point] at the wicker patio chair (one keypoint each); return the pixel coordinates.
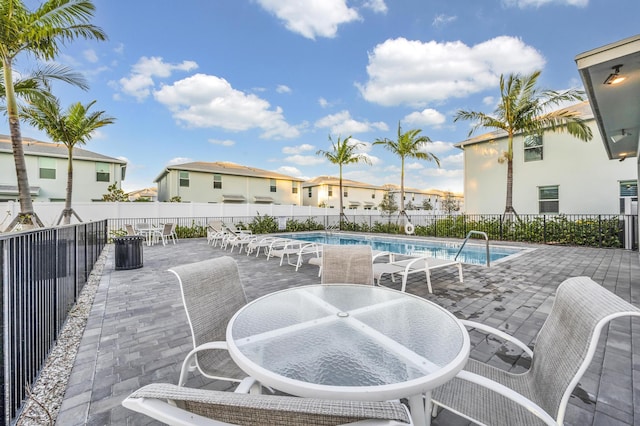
(347, 264)
(211, 293)
(563, 350)
(176, 405)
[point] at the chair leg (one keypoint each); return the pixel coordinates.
(428, 273)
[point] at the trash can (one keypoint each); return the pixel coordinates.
(128, 252)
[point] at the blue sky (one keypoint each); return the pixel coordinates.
(263, 83)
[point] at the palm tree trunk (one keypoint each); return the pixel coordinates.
(26, 206)
(67, 201)
(402, 186)
(341, 208)
(26, 215)
(509, 211)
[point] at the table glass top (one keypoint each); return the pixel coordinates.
(346, 335)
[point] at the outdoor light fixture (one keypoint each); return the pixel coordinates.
(615, 77)
(619, 136)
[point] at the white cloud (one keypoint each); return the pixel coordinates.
(283, 89)
(438, 147)
(442, 19)
(311, 18)
(298, 149)
(179, 160)
(426, 117)
(90, 55)
(304, 160)
(119, 49)
(341, 123)
(489, 100)
(414, 166)
(226, 142)
(141, 79)
(323, 103)
(416, 73)
(537, 3)
(208, 101)
(378, 6)
(290, 171)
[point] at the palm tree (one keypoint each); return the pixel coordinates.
(342, 153)
(73, 127)
(40, 33)
(524, 109)
(410, 144)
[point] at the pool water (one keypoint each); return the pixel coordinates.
(472, 252)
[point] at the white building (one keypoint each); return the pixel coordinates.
(555, 173)
(224, 182)
(418, 198)
(47, 164)
(324, 191)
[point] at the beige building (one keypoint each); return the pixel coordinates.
(324, 191)
(552, 173)
(224, 182)
(47, 171)
(417, 199)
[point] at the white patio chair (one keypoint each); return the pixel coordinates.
(130, 230)
(167, 232)
(211, 294)
(290, 248)
(215, 232)
(261, 243)
(347, 264)
(176, 405)
(314, 250)
(563, 350)
(240, 240)
(235, 230)
(411, 266)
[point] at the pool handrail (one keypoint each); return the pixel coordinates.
(469, 234)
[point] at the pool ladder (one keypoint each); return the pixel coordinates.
(486, 238)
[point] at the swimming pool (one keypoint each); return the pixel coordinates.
(472, 253)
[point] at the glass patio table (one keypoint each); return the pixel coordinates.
(345, 341)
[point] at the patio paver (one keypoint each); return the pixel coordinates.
(137, 332)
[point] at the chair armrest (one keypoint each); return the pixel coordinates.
(531, 406)
(187, 363)
(167, 413)
(501, 334)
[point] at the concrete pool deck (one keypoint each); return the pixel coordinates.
(137, 331)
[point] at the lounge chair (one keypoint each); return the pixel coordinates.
(563, 350)
(289, 249)
(215, 232)
(262, 243)
(212, 293)
(347, 264)
(176, 405)
(411, 266)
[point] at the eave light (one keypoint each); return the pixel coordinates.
(615, 77)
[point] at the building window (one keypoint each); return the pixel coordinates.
(294, 187)
(373, 195)
(47, 168)
(532, 148)
(548, 199)
(217, 182)
(272, 185)
(346, 192)
(310, 192)
(628, 189)
(330, 191)
(184, 179)
(102, 172)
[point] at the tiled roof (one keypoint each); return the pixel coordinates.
(335, 181)
(58, 150)
(227, 168)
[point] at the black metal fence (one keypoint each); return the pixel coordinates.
(42, 274)
(618, 231)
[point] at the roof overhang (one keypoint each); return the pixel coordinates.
(259, 199)
(13, 190)
(616, 108)
(233, 198)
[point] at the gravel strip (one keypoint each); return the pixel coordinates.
(43, 404)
